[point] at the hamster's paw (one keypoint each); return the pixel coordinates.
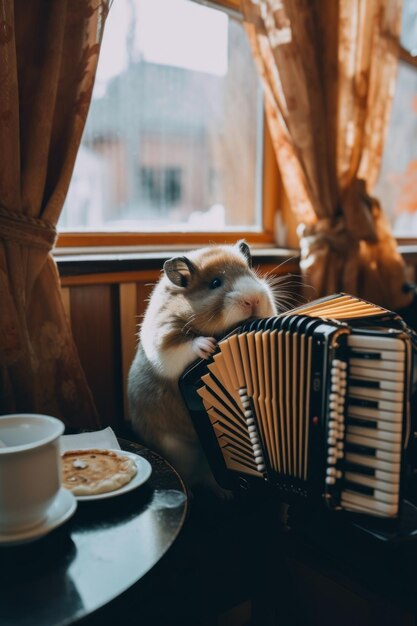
(204, 346)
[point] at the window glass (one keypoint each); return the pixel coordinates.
(173, 139)
(397, 185)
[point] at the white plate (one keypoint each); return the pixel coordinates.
(61, 509)
(144, 470)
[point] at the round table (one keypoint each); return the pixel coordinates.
(105, 549)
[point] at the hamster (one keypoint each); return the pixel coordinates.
(198, 298)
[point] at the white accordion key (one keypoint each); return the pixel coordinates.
(392, 395)
(381, 435)
(373, 443)
(377, 343)
(384, 379)
(375, 462)
(376, 424)
(373, 482)
(385, 365)
(375, 414)
(363, 504)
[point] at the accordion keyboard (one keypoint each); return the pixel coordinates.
(373, 425)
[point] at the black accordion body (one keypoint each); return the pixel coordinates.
(314, 402)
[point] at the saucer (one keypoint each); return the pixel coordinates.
(60, 510)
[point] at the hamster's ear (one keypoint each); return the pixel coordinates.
(245, 250)
(179, 270)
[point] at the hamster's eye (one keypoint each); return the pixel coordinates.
(215, 283)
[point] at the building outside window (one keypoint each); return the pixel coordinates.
(397, 184)
(174, 136)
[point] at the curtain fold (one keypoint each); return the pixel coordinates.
(48, 59)
(328, 68)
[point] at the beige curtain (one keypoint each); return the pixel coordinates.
(328, 68)
(48, 58)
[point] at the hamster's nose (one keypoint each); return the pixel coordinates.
(251, 301)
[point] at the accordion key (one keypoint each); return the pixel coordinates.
(314, 402)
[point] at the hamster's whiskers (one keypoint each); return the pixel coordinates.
(187, 328)
(188, 324)
(286, 299)
(226, 320)
(278, 280)
(216, 311)
(257, 271)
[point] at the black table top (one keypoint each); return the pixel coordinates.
(105, 565)
(103, 550)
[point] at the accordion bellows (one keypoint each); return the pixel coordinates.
(314, 402)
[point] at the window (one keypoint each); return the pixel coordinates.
(174, 141)
(397, 184)
(160, 189)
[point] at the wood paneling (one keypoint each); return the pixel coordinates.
(143, 292)
(111, 278)
(95, 322)
(128, 332)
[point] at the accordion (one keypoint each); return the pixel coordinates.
(315, 402)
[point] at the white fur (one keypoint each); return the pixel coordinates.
(204, 346)
(249, 298)
(172, 362)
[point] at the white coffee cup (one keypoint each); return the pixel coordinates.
(30, 469)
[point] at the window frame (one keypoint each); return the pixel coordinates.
(272, 200)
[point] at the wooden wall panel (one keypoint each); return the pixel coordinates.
(128, 332)
(95, 322)
(143, 292)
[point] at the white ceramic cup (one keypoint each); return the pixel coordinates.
(30, 469)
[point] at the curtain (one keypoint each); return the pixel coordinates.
(328, 68)
(48, 58)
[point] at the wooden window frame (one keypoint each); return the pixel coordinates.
(272, 200)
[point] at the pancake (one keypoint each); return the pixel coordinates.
(90, 472)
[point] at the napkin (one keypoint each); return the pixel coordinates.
(101, 439)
